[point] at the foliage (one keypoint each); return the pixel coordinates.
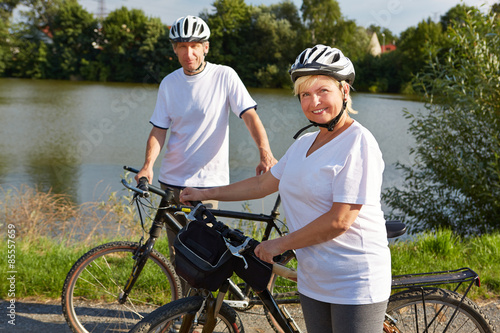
(129, 45)
(321, 18)
(454, 181)
(58, 39)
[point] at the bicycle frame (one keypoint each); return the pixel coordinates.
(165, 216)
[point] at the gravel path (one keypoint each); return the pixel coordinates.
(46, 317)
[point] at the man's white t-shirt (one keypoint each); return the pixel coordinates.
(196, 111)
(355, 267)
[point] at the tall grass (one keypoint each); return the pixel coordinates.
(52, 233)
(37, 214)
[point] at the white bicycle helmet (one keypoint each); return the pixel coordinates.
(189, 29)
(323, 60)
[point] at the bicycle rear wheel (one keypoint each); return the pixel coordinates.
(411, 315)
(93, 285)
(168, 318)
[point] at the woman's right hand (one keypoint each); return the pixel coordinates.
(191, 194)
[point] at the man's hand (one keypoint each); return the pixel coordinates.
(144, 173)
(267, 160)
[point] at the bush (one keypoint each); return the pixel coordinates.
(454, 181)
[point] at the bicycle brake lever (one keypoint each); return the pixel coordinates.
(235, 250)
(192, 214)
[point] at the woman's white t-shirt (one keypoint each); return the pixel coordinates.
(195, 109)
(355, 267)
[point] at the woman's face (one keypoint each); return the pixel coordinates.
(322, 101)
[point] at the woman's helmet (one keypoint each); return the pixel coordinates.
(189, 29)
(323, 60)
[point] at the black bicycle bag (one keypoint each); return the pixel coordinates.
(202, 257)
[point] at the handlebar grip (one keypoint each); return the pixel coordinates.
(143, 183)
(134, 170)
(279, 258)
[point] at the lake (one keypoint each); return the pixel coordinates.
(74, 137)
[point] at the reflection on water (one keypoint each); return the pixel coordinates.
(74, 137)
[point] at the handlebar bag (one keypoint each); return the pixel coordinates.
(257, 274)
(202, 257)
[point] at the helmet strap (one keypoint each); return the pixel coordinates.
(330, 125)
(199, 67)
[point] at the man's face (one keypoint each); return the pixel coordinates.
(191, 55)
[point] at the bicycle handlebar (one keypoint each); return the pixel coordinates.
(143, 188)
(239, 242)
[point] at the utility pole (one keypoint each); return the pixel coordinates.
(102, 10)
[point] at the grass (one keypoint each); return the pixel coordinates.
(52, 233)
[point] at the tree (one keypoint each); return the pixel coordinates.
(417, 43)
(321, 18)
(129, 42)
(74, 32)
(454, 181)
(6, 39)
(259, 43)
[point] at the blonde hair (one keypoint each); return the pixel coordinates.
(305, 82)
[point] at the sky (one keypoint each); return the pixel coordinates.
(396, 15)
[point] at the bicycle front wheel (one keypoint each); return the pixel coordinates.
(95, 282)
(169, 317)
(433, 310)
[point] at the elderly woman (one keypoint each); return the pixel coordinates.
(330, 182)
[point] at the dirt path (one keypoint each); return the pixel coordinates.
(46, 317)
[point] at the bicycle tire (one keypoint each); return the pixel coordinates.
(284, 291)
(167, 316)
(407, 309)
(92, 287)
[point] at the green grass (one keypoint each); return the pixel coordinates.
(47, 243)
(443, 250)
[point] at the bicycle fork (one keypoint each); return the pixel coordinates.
(140, 259)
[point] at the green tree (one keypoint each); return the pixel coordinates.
(227, 26)
(260, 43)
(321, 18)
(454, 181)
(417, 43)
(129, 39)
(7, 42)
(74, 32)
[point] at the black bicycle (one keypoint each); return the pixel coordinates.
(419, 306)
(114, 285)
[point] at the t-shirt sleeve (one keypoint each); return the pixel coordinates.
(239, 97)
(360, 179)
(160, 117)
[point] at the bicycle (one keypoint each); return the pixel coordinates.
(420, 307)
(114, 285)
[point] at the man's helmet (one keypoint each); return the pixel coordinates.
(323, 60)
(189, 29)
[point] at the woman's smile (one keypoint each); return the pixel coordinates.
(319, 111)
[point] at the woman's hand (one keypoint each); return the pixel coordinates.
(191, 194)
(267, 250)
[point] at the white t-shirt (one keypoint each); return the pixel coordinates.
(355, 267)
(196, 111)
